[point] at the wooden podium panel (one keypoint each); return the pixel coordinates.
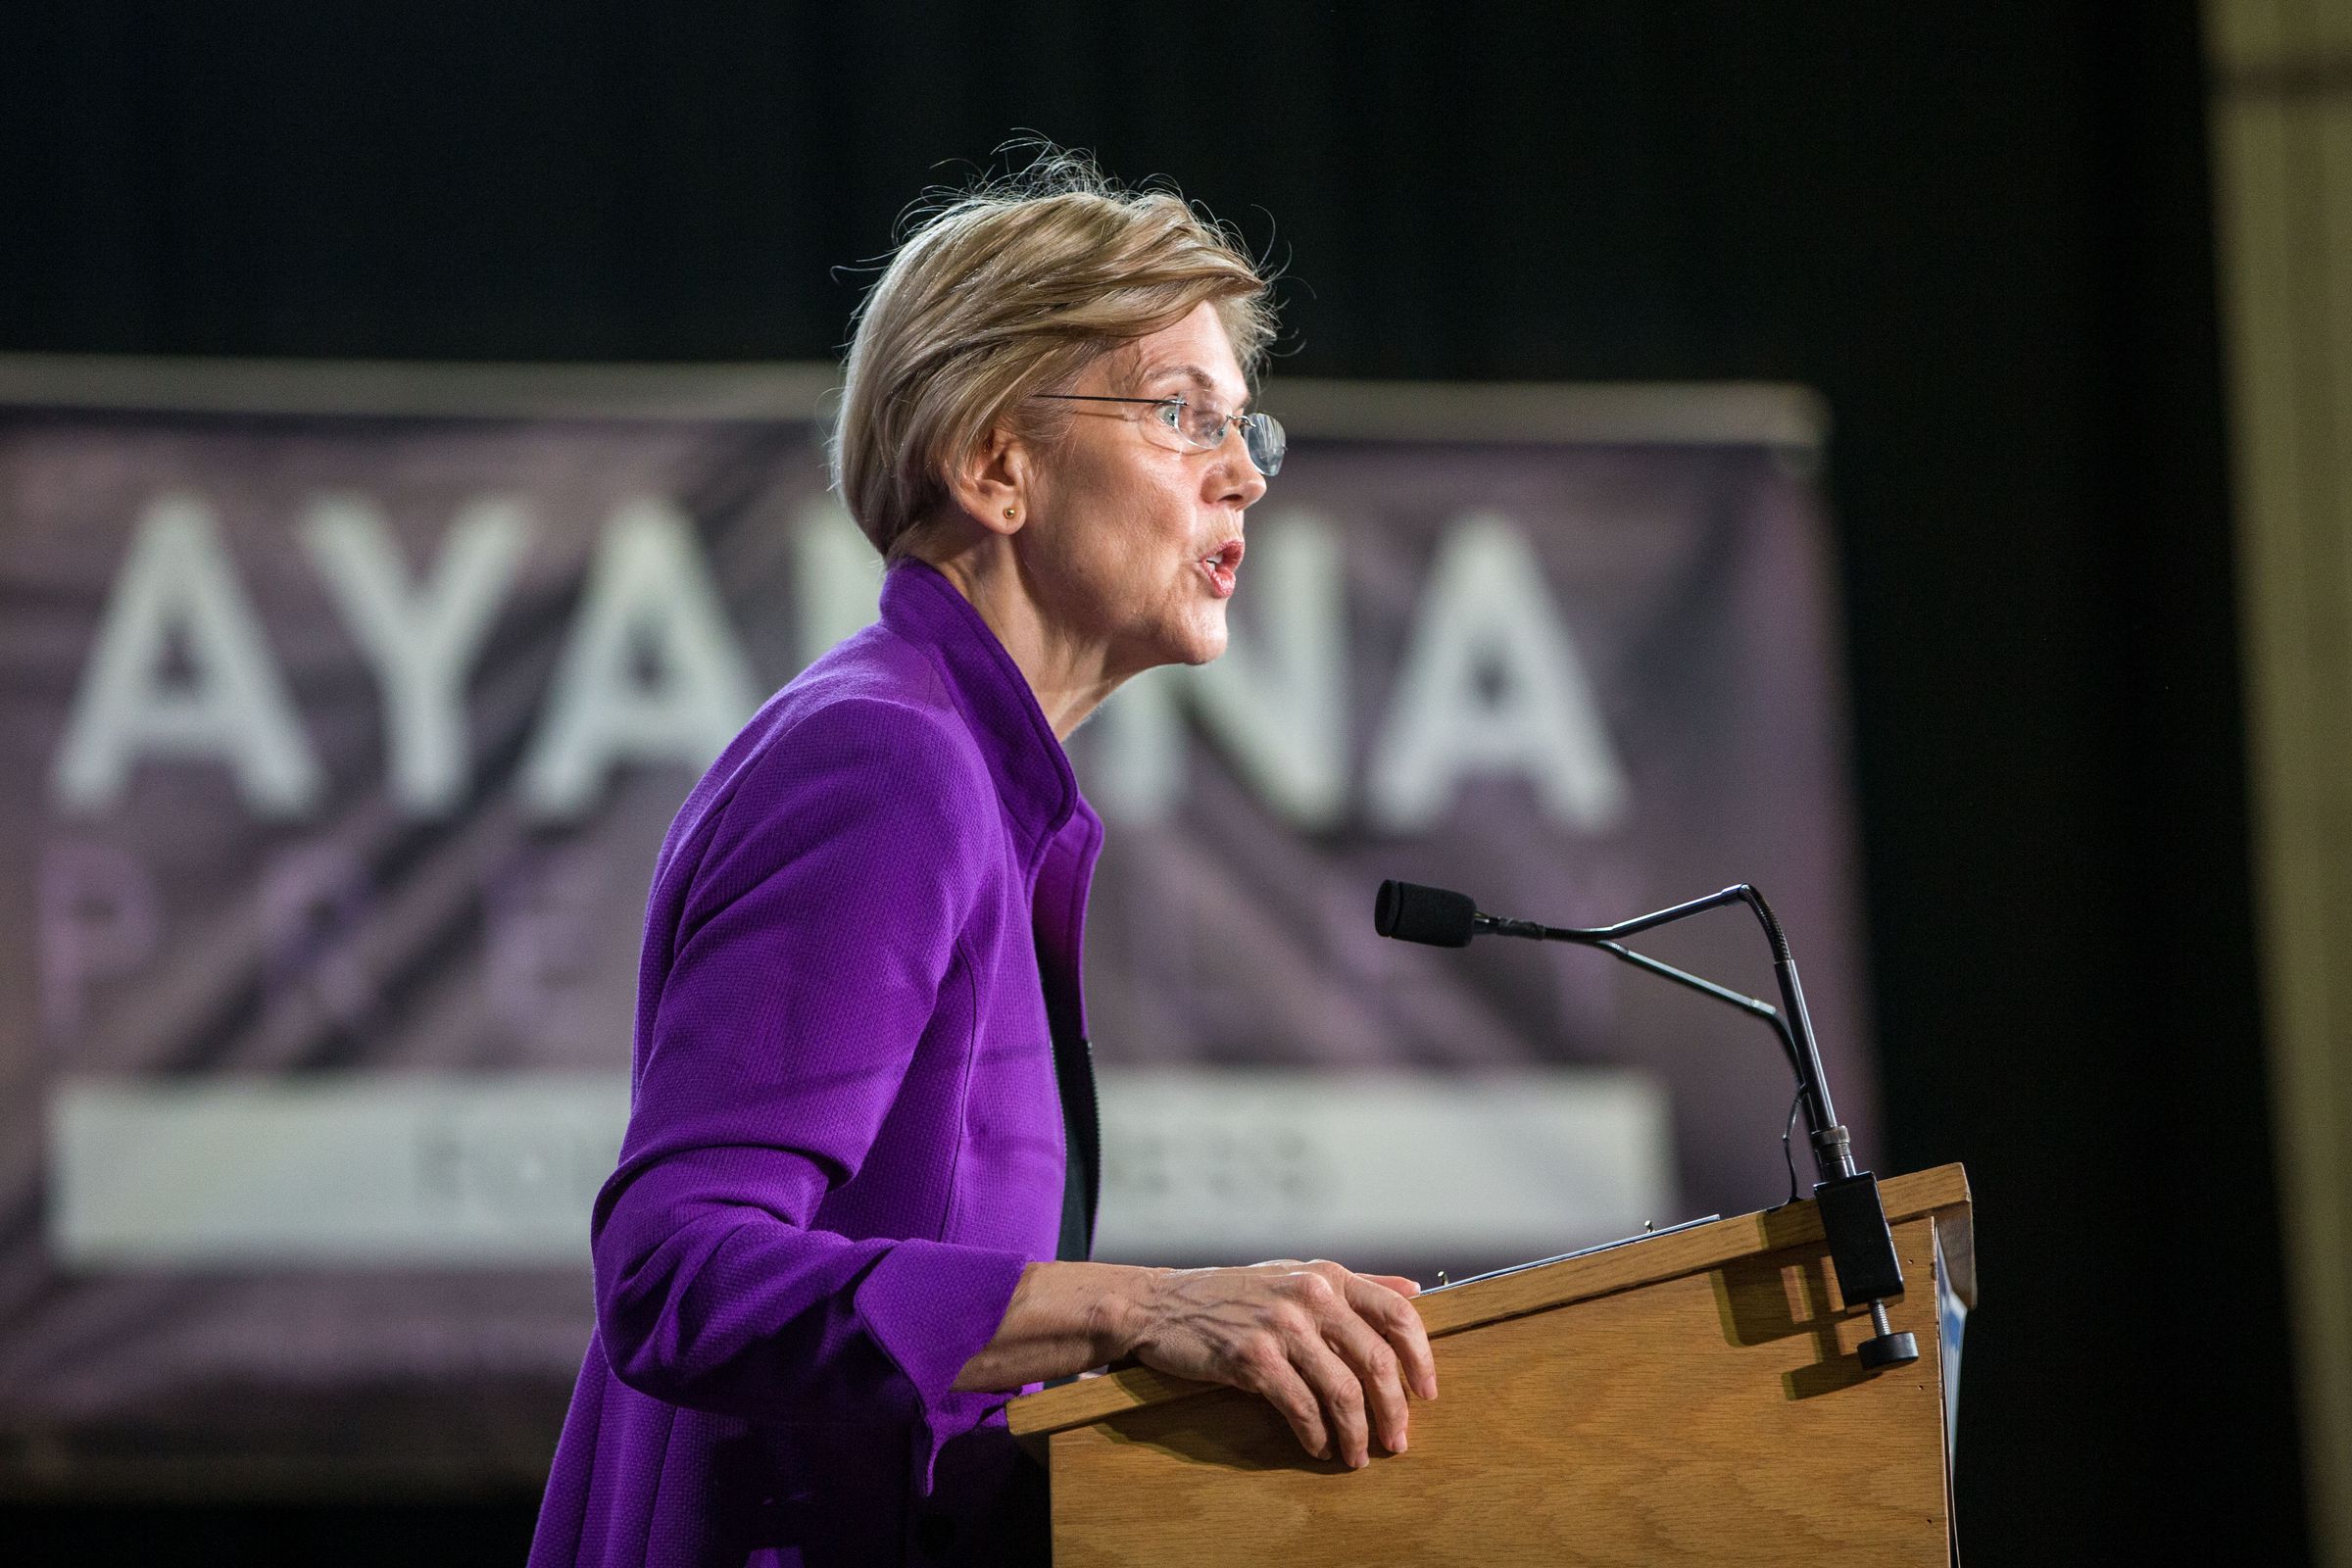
(1690, 1398)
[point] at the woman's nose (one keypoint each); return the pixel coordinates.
(1244, 483)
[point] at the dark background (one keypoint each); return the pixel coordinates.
(1982, 231)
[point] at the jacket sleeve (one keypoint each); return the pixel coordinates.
(806, 959)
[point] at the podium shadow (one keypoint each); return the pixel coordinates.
(1781, 1294)
(1252, 1436)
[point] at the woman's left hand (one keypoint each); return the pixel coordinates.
(1333, 1350)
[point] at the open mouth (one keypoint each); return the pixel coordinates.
(1220, 564)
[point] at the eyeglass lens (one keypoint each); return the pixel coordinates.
(1261, 433)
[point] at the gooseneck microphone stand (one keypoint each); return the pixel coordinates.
(1852, 1218)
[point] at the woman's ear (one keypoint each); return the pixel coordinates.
(991, 484)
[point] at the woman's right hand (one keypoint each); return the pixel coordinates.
(1333, 1350)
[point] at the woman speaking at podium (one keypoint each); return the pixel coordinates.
(844, 1231)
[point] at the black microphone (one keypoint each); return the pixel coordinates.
(1440, 918)
(1861, 1248)
(1411, 912)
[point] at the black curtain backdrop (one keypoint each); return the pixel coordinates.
(1982, 231)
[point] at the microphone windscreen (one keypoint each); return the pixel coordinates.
(1411, 912)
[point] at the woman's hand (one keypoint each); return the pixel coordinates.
(1333, 1350)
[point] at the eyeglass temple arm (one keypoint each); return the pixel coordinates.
(1092, 397)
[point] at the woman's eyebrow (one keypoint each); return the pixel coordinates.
(1193, 373)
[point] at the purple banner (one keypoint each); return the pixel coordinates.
(345, 709)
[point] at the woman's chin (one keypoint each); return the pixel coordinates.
(1195, 636)
(1205, 639)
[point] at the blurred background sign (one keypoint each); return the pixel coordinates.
(356, 701)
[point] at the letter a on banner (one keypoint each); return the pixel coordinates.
(177, 588)
(649, 589)
(1487, 610)
(837, 575)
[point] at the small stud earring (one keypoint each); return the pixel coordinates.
(1012, 512)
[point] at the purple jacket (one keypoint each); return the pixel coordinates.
(845, 1138)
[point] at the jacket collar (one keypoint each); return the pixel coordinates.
(1024, 756)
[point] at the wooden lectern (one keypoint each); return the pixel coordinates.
(1685, 1398)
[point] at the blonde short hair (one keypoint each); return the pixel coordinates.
(1010, 289)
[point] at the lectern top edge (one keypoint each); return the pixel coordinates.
(1941, 1191)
